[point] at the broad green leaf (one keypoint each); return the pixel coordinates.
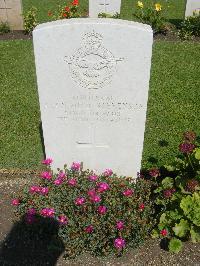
(167, 182)
(175, 245)
(170, 168)
(195, 234)
(182, 228)
(154, 233)
(197, 153)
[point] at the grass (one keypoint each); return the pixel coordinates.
(174, 10)
(172, 108)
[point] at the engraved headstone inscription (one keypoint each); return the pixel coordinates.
(93, 79)
(103, 6)
(11, 12)
(191, 7)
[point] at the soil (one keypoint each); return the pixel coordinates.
(18, 248)
(20, 35)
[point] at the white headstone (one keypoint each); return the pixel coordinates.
(103, 6)
(191, 7)
(11, 12)
(93, 80)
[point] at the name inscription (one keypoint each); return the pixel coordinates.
(84, 108)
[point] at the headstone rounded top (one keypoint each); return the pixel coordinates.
(116, 22)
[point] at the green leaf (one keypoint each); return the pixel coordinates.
(191, 207)
(154, 233)
(195, 234)
(175, 245)
(197, 153)
(167, 182)
(175, 215)
(170, 168)
(182, 228)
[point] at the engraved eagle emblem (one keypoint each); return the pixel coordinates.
(92, 65)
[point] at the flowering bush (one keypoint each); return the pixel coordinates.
(100, 213)
(67, 11)
(106, 15)
(178, 195)
(190, 27)
(152, 15)
(30, 20)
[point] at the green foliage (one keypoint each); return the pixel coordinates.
(152, 15)
(126, 201)
(190, 27)
(178, 196)
(175, 245)
(105, 15)
(30, 20)
(4, 27)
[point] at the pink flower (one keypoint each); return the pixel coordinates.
(89, 229)
(141, 207)
(95, 198)
(91, 192)
(102, 209)
(119, 243)
(46, 175)
(103, 186)
(15, 202)
(44, 190)
(62, 219)
(72, 182)
(47, 161)
(29, 219)
(154, 172)
(128, 192)
(34, 189)
(120, 225)
(47, 212)
(108, 172)
(186, 147)
(163, 232)
(31, 211)
(80, 201)
(58, 181)
(61, 175)
(93, 178)
(76, 166)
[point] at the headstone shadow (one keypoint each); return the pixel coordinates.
(34, 244)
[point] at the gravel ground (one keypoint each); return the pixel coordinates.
(17, 250)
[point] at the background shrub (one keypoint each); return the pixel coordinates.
(190, 27)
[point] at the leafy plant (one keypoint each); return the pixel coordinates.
(4, 27)
(152, 15)
(66, 12)
(105, 15)
(30, 20)
(100, 213)
(190, 27)
(177, 193)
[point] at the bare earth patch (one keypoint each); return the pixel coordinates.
(18, 249)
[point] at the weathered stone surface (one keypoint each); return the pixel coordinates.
(11, 12)
(192, 6)
(93, 79)
(103, 6)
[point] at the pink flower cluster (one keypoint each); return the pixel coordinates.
(60, 178)
(95, 198)
(108, 172)
(47, 161)
(103, 186)
(30, 216)
(15, 202)
(93, 178)
(102, 209)
(80, 201)
(168, 193)
(39, 190)
(46, 175)
(120, 225)
(128, 192)
(89, 229)
(76, 166)
(72, 182)
(62, 219)
(47, 212)
(119, 243)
